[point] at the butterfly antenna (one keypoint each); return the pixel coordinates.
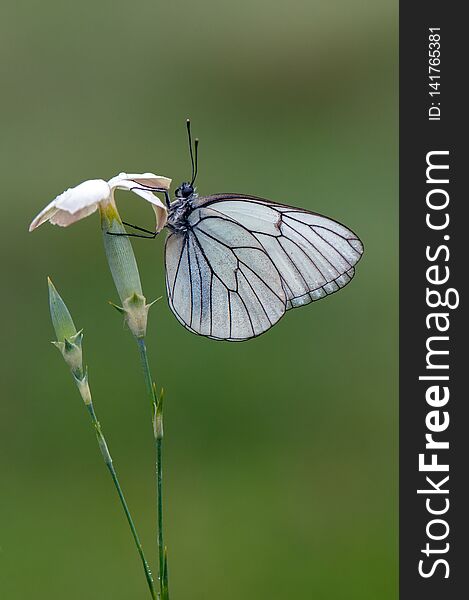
(188, 125)
(196, 144)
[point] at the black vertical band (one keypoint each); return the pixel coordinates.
(434, 268)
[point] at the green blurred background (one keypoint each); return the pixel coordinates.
(280, 455)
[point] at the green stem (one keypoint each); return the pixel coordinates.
(109, 464)
(158, 433)
(159, 499)
(146, 371)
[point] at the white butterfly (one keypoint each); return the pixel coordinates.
(236, 263)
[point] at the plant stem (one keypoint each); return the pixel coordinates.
(109, 464)
(159, 489)
(146, 372)
(157, 417)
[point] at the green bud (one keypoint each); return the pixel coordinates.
(62, 321)
(69, 341)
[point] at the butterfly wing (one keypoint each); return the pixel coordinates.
(242, 256)
(314, 255)
(220, 282)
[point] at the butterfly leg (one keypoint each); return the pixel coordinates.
(137, 235)
(152, 235)
(166, 197)
(161, 191)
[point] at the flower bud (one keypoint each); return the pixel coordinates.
(62, 321)
(69, 341)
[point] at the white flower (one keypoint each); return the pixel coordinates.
(78, 202)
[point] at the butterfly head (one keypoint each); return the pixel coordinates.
(185, 190)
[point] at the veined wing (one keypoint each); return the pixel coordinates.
(220, 281)
(314, 255)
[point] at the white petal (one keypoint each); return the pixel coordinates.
(126, 181)
(74, 204)
(86, 194)
(65, 218)
(45, 214)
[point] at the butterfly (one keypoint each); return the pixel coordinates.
(236, 263)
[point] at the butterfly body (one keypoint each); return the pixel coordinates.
(180, 208)
(236, 263)
(177, 215)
